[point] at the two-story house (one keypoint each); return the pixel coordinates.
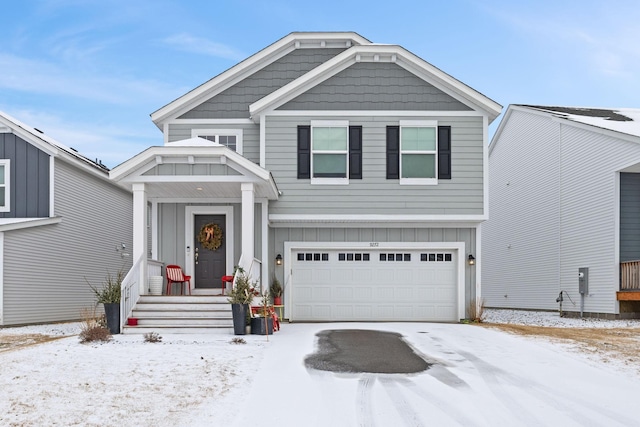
(63, 223)
(353, 172)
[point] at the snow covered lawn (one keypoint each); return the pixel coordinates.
(481, 377)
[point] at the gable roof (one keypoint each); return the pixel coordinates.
(622, 122)
(377, 53)
(50, 146)
(252, 64)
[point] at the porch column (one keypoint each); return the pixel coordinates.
(140, 233)
(248, 199)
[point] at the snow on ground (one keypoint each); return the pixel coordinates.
(482, 377)
(553, 319)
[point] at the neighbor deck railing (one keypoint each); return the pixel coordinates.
(630, 276)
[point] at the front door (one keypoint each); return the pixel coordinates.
(210, 250)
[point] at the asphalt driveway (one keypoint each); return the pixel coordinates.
(476, 377)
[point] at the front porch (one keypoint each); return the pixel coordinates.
(198, 205)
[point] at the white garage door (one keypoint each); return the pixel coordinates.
(374, 285)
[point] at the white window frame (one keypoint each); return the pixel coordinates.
(7, 185)
(220, 132)
(335, 180)
(419, 124)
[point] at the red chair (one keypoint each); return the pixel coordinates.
(225, 280)
(176, 275)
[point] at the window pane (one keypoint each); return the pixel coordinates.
(330, 138)
(330, 165)
(418, 139)
(228, 141)
(2, 203)
(2, 175)
(418, 166)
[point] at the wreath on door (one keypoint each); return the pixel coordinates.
(210, 236)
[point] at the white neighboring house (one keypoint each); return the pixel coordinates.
(61, 220)
(359, 166)
(564, 194)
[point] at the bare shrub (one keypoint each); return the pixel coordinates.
(238, 341)
(152, 337)
(93, 327)
(476, 310)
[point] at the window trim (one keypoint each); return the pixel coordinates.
(329, 180)
(7, 185)
(418, 124)
(221, 132)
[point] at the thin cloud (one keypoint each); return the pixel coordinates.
(42, 77)
(189, 43)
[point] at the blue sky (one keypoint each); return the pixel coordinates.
(89, 73)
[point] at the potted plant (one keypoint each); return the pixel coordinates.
(262, 320)
(276, 291)
(109, 296)
(240, 297)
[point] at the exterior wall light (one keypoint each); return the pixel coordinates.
(278, 259)
(472, 260)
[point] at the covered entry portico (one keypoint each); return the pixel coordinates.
(181, 188)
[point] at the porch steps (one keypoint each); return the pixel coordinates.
(196, 314)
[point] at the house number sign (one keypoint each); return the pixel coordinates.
(374, 244)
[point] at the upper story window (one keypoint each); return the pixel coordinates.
(4, 185)
(329, 152)
(418, 152)
(230, 138)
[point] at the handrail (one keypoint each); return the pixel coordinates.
(630, 276)
(256, 266)
(130, 291)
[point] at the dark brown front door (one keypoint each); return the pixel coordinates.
(210, 264)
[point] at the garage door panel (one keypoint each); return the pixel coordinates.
(365, 285)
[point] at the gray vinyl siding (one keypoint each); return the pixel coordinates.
(521, 239)
(629, 217)
(29, 178)
(46, 268)
(278, 237)
(374, 194)
(171, 229)
(250, 136)
(375, 86)
(234, 102)
(556, 220)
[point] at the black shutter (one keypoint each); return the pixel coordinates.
(393, 152)
(304, 152)
(444, 152)
(355, 152)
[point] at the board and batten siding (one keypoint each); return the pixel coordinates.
(629, 217)
(374, 194)
(46, 268)
(29, 178)
(234, 102)
(375, 86)
(361, 233)
(172, 242)
(250, 135)
(521, 239)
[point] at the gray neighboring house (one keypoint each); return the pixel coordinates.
(61, 220)
(354, 172)
(564, 195)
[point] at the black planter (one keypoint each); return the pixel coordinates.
(239, 312)
(112, 313)
(258, 325)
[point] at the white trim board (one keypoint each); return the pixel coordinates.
(190, 213)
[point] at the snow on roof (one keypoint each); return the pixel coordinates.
(623, 120)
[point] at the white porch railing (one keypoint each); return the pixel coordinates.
(130, 289)
(253, 270)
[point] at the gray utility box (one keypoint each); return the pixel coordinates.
(583, 280)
